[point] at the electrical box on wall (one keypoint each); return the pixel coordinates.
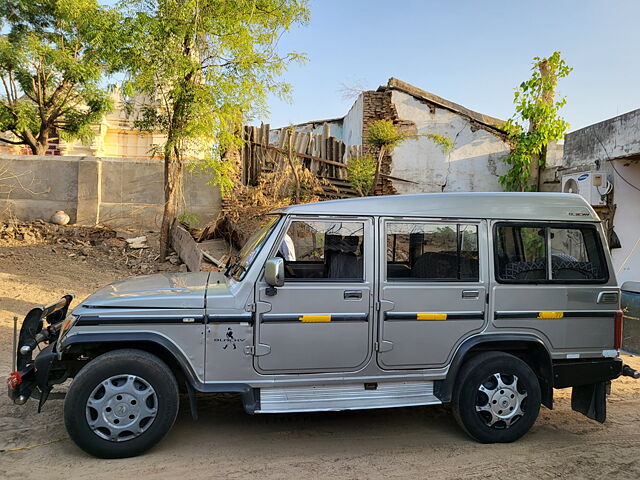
(593, 186)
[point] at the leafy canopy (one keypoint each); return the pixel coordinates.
(205, 66)
(52, 60)
(537, 106)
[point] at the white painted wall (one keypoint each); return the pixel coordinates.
(352, 123)
(473, 165)
(626, 260)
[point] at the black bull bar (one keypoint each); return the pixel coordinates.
(40, 325)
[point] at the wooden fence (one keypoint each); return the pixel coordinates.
(325, 156)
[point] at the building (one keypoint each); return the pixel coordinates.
(116, 136)
(424, 163)
(612, 147)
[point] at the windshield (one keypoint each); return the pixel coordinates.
(251, 249)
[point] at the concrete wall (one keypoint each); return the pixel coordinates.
(617, 137)
(473, 165)
(613, 146)
(124, 192)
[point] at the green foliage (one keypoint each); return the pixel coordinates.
(360, 172)
(446, 144)
(53, 56)
(198, 69)
(384, 134)
(536, 105)
(189, 220)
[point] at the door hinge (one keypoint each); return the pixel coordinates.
(251, 307)
(378, 306)
(261, 349)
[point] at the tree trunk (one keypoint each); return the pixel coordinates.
(291, 156)
(376, 177)
(173, 178)
(547, 97)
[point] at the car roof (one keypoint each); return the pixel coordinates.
(495, 205)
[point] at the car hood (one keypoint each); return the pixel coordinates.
(167, 290)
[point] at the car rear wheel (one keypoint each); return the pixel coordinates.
(121, 404)
(497, 398)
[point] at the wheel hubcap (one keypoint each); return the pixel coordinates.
(500, 400)
(121, 407)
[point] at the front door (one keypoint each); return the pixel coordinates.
(432, 289)
(321, 319)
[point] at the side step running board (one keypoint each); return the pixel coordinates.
(346, 397)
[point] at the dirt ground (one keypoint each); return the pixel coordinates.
(422, 442)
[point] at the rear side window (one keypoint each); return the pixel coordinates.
(549, 253)
(432, 252)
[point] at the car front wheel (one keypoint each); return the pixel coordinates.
(121, 404)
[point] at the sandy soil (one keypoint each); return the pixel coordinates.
(227, 443)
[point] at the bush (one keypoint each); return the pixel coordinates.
(360, 171)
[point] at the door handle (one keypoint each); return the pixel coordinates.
(470, 293)
(352, 294)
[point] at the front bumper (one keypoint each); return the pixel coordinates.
(32, 376)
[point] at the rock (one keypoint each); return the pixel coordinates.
(137, 242)
(182, 268)
(60, 218)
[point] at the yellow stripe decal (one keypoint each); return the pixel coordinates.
(551, 315)
(431, 316)
(315, 318)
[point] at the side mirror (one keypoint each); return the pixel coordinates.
(274, 272)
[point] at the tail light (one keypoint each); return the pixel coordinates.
(617, 331)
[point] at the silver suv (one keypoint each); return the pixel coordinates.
(484, 301)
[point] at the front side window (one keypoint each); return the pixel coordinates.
(549, 253)
(432, 252)
(330, 250)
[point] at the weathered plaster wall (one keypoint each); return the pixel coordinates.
(473, 165)
(617, 137)
(111, 191)
(352, 123)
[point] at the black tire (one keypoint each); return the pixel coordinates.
(467, 398)
(144, 365)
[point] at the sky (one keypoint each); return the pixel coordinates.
(470, 52)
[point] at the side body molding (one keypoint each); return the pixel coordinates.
(507, 342)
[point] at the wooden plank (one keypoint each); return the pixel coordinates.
(186, 248)
(312, 157)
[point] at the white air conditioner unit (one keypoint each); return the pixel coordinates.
(593, 186)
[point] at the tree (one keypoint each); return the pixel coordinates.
(51, 64)
(204, 66)
(360, 172)
(383, 135)
(536, 105)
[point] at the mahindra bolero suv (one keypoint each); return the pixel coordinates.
(487, 302)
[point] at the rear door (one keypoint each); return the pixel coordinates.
(554, 280)
(321, 319)
(432, 289)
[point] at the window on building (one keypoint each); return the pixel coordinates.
(526, 253)
(323, 250)
(432, 252)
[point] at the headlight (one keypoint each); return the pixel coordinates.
(67, 323)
